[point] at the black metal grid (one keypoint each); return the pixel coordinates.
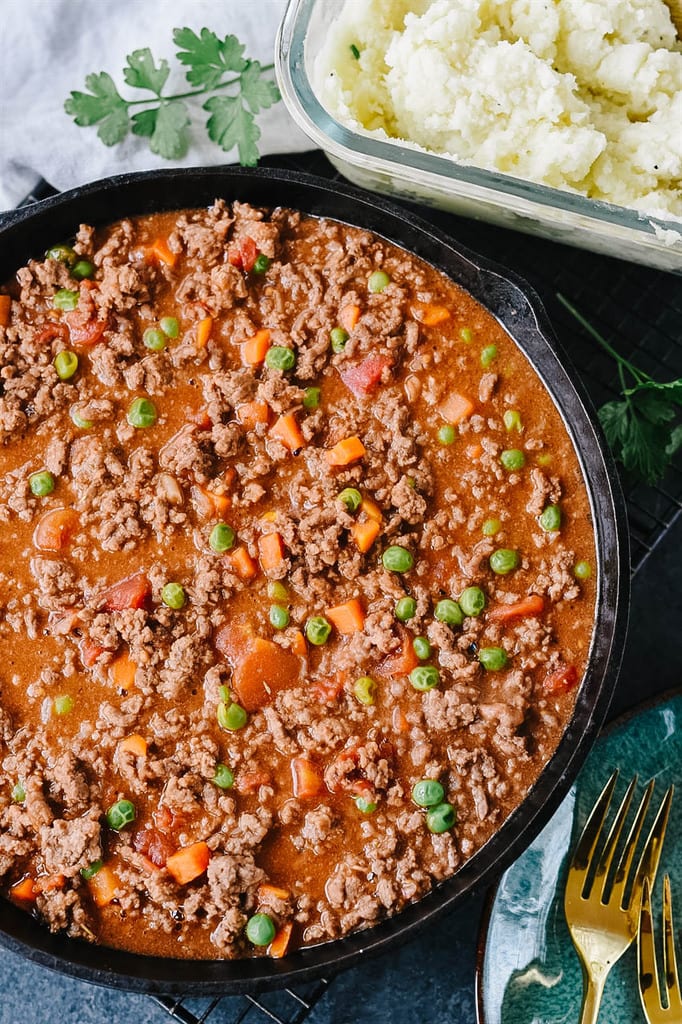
(639, 311)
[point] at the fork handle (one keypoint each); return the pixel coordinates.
(593, 988)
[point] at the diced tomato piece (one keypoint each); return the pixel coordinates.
(306, 777)
(154, 845)
(234, 639)
(51, 331)
(202, 419)
(363, 378)
(250, 782)
(90, 652)
(83, 329)
(243, 254)
(133, 592)
(329, 690)
(561, 680)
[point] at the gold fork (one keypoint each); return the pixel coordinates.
(602, 918)
(649, 988)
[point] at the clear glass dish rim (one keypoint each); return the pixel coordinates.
(425, 168)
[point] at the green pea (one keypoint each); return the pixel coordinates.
(472, 601)
(338, 338)
(544, 459)
(424, 677)
(223, 778)
(397, 559)
(449, 612)
(154, 339)
(92, 869)
(440, 818)
(493, 658)
(466, 335)
(491, 527)
(279, 616)
(422, 648)
(504, 561)
(42, 483)
(170, 326)
(513, 459)
(62, 253)
(83, 270)
(18, 793)
(120, 814)
(224, 694)
(317, 630)
(378, 281)
(512, 420)
(446, 434)
(231, 716)
(428, 793)
(260, 930)
(222, 538)
(66, 364)
(365, 805)
(550, 520)
(65, 299)
(354, 50)
(173, 595)
(311, 398)
(364, 689)
(277, 591)
(261, 264)
(405, 609)
(142, 413)
(582, 570)
(351, 498)
(78, 420)
(63, 704)
(488, 356)
(280, 358)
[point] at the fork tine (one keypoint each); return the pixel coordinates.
(608, 853)
(627, 856)
(646, 957)
(651, 854)
(586, 845)
(672, 978)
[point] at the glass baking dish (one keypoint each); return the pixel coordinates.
(421, 177)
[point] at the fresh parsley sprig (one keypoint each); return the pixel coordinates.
(213, 65)
(641, 428)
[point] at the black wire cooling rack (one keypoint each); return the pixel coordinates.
(639, 311)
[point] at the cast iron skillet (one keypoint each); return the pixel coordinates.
(28, 232)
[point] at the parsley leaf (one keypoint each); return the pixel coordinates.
(230, 125)
(170, 138)
(258, 92)
(142, 73)
(102, 105)
(207, 56)
(670, 390)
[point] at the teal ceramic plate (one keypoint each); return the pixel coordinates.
(529, 971)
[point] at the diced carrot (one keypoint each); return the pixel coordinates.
(24, 890)
(307, 778)
(287, 430)
(562, 680)
(188, 863)
(242, 563)
(298, 644)
(55, 529)
(122, 672)
(526, 607)
(371, 510)
(208, 504)
(350, 449)
(255, 349)
(103, 886)
(271, 551)
(402, 663)
(262, 672)
(132, 592)
(5, 307)
(279, 944)
(399, 721)
(348, 617)
(48, 883)
(159, 250)
(348, 317)
(204, 328)
(267, 891)
(90, 652)
(250, 782)
(269, 517)
(430, 315)
(250, 414)
(364, 534)
(134, 744)
(456, 408)
(474, 451)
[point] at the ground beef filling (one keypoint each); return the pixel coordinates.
(289, 526)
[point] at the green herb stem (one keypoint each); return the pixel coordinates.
(193, 92)
(623, 363)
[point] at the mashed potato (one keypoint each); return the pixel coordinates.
(584, 95)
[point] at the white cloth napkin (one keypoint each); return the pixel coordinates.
(49, 46)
